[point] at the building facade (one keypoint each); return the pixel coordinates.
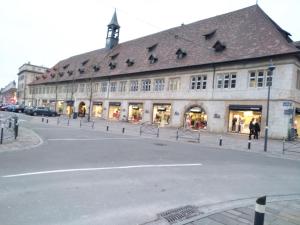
(9, 93)
(212, 74)
(26, 75)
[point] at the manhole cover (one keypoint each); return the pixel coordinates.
(180, 214)
(160, 144)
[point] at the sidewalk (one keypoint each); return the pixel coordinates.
(207, 139)
(280, 210)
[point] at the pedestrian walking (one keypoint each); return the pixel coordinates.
(251, 128)
(256, 130)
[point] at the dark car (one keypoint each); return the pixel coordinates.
(42, 111)
(17, 108)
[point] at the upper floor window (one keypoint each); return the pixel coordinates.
(174, 84)
(113, 86)
(95, 87)
(159, 84)
(146, 85)
(122, 86)
(227, 80)
(104, 86)
(88, 88)
(198, 82)
(81, 88)
(260, 78)
(134, 85)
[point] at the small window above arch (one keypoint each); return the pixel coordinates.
(219, 47)
(180, 53)
(130, 62)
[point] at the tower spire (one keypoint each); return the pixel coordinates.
(113, 28)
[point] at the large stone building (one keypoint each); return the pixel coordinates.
(212, 74)
(27, 74)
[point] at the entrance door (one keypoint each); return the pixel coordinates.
(135, 112)
(114, 110)
(162, 114)
(195, 118)
(81, 109)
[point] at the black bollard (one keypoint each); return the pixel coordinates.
(123, 130)
(260, 209)
(47, 121)
(1, 140)
(107, 128)
(249, 144)
(220, 141)
(42, 119)
(16, 130)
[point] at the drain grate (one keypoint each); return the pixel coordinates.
(160, 144)
(180, 214)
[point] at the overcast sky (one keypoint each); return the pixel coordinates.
(44, 32)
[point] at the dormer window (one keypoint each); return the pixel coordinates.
(61, 74)
(55, 69)
(48, 71)
(219, 47)
(66, 66)
(81, 70)
(37, 77)
(152, 59)
(114, 56)
(112, 65)
(151, 48)
(96, 68)
(85, 62)
(44, 76)
(130, 62)
(180, 53)
(70, 72)
(210, 34)
(52, 75)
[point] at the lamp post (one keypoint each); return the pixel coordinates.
(269, 84)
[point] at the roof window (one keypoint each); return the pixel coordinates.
(96, 68)
(112, 65)
(210, 34)
(44, 76)
(130, 62)
(219, 47)
(61, 74)
(81, 70)
(52, 75)
(70, 72)
(37, 77)
(114, 56)
(151, 48)
(85, 62)
(152, 59)
(180, 53)
(66, 66)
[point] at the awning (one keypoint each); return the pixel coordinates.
(115, 104)
(97, 103)
(246, 107)
(70, 102)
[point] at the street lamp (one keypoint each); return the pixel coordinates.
(271, 68)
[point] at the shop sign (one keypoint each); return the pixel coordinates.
(217, 116)
(176, 113)
(97, 103)
(287, 104)
(114, 104)
(288, 111)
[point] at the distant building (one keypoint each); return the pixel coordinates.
(27, 74)
(9, 93)
(211, 74)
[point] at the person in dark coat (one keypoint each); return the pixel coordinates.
(256, 130)
(251, 128)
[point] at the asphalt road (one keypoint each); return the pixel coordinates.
(86, 177)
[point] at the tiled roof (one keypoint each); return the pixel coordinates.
(240, 35)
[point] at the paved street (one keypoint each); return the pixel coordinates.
(85, 176)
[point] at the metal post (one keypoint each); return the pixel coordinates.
(199, 137)
(283, 145)
(249, 144)
(267, 121)
(177, 134)
(107, 128)
(42, 119)
(141, 130)
(57, 120)
(157, 132)
(93, 124)
(68, 122)
(80, 123)
(47, 121)
(1, 139)
(220, 141)
(16, 130)
(260, 209)
(123, 130)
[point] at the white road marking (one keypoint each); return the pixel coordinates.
(100, 168)
(90, 139)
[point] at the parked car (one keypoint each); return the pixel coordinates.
(17, 108)
(42, 111)
(3, 107)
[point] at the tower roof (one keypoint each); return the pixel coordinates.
(114, 20)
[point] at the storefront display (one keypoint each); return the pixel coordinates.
(81, 109)
(135, 112)
(162, 114)
(114, 110)
(196, 118)
(60, 107)
(70, 106)
(241, 115)
(297, 122)
(97, 109)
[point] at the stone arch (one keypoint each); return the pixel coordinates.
(195, 116)
(82, 109)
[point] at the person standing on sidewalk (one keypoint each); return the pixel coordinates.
(251, 128)
(256, 130)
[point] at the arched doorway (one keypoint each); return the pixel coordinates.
(81, 109)
(195, 118)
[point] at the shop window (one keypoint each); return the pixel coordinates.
(159, 84)
(113, 86)
(114, 111)
(134, 85)
(174, 84)
(146, 85)
(198, 82)
(227, 80)
(195, 118)
(122, 86)
(103, 86)
(162, 114)
(135, 112)
(97, 109)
